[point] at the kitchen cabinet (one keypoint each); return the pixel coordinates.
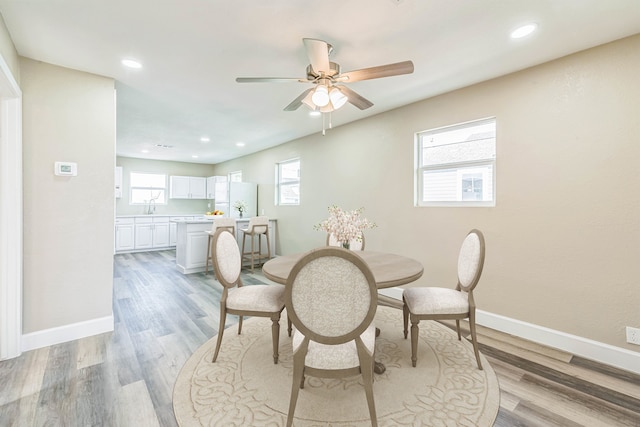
(217, 189)
(187, 187)
(151, 232)
(173, 228)
(125, 233)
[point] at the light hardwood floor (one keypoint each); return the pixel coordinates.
(126, 378)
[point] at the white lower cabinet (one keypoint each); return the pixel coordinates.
(125, 233)
(142, 233)
(173, 228)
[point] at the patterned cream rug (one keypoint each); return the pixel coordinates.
(245, 388)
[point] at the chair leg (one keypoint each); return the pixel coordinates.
(414, 341)
(209, 252)
(405, 316)
(275, 335)
(458, 329)
(289, 327)
(366, 369)
(298, 372)
(253, 251)
(223, 318)
(474, 340)
(239, 324)
(242, 256)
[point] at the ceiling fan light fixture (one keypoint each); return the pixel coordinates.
(338, 99)
(320, 96)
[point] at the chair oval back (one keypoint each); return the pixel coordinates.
(471, 260)
(258, 224)
(226, 258)
(356, 244)
(225, 223)
(331, 295)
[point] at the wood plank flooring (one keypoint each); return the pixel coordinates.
(125, 378)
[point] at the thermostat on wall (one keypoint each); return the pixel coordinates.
(66, 169)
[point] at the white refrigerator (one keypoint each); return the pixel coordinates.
(226, 197)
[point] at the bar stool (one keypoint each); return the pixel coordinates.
(258, 225)
(224, 223)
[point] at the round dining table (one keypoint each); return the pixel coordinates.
(388, 270)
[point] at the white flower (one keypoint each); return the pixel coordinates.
(240, 206)
(345, 225)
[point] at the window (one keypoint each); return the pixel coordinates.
(235, 176)
(288, 182)
(456, 165)
(146, 187)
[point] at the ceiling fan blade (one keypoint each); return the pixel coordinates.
(270, 80)
(318, 53)
(405, 67)
(355, 99)
(298, 101)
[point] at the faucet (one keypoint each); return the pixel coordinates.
(151, 209)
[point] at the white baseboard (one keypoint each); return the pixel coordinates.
(579, 346)
(66, 333)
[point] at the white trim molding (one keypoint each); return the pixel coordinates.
(579, 346)
(71, 332)
(10, 213)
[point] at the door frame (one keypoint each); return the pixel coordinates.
(11, 222)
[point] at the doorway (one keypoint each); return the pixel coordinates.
(10, 214)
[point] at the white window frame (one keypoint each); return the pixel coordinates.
(280, 184)
(461, 168)
(146, 202)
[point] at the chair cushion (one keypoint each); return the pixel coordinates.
(267, 298)
(428, 300)
(342, 356)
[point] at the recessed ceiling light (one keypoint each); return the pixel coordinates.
(145, 151)
(239, 144)
(131, 63)
(205, 139)
(523, 31)
(314, 113)
(195, 156)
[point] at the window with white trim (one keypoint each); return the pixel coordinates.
(235, 176)
(455, 165)
(147, 187)
(288, 182)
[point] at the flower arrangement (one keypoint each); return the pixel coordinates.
(345, 225)
(240, 206)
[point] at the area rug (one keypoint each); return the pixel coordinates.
(245, 388)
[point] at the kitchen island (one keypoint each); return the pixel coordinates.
(191, 242)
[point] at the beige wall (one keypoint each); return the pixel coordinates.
(563, 241)
(68, 221)
(173, 206)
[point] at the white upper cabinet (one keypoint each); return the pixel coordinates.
(188, 187)
(217, 188)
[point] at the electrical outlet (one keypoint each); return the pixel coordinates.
(633, 335)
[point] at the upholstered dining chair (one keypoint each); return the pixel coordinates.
(331, 299)
(253, 300)
(258, 226)
(356, 244)
(433, 303)
(224, 223)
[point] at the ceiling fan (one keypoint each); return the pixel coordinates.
(329, 92)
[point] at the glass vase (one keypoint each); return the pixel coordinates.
(346, 245)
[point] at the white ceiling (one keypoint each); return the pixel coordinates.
(192, 51)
